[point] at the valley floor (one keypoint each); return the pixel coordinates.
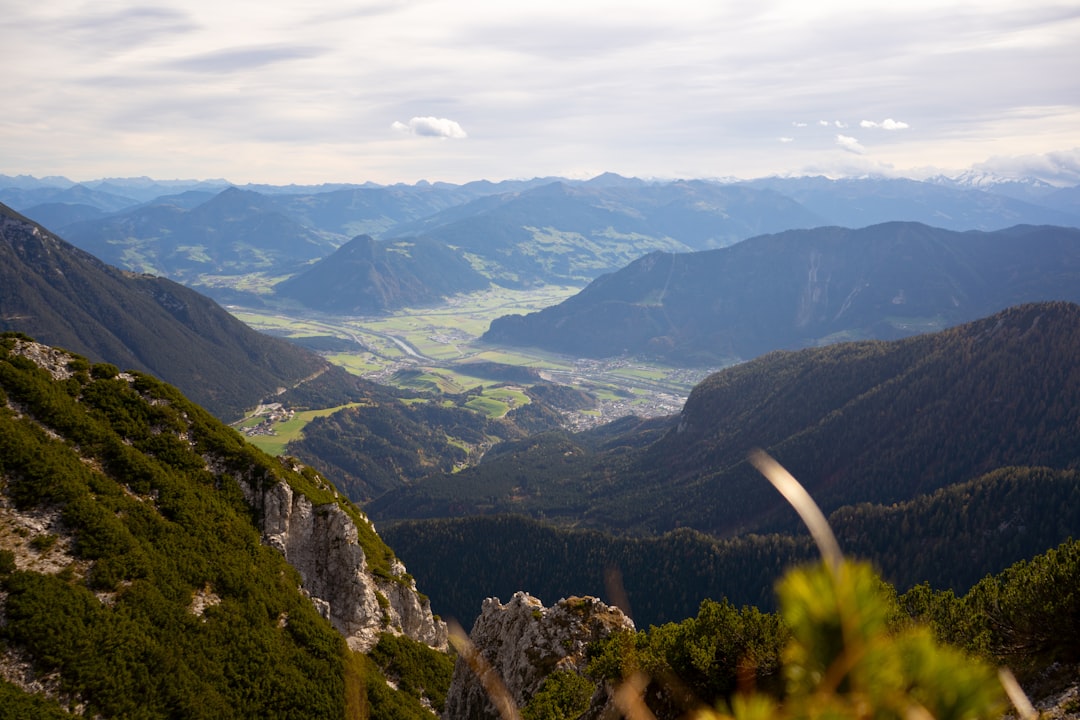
(432, 349)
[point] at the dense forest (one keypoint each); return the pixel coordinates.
(950, 539)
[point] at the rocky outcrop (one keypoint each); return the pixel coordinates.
(524, 642)
(322, 543)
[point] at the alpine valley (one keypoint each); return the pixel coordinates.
(546, 395)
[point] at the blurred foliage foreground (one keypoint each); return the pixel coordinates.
(843, 645)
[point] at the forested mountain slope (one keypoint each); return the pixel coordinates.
(949, 539)
(66, 297)
(143, 571)
(803, 288)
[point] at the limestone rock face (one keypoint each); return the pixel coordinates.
(524, 642)
(321, 542)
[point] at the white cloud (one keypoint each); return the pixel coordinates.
(887, 124)
(786, 139)
(840, 124)
(823, 123)
(850, 144)
(1056, 168)
(798, 124)
(431, 127)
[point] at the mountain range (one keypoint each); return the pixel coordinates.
(513, 233)
(802, 288)
(235, 231)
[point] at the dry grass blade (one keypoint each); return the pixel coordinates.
(630, 698)
(799, 499)
(1017, 695)
(485, 673)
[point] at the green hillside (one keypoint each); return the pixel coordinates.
(134, 582)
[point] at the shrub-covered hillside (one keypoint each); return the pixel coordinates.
(133, 582)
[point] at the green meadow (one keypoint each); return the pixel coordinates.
(287, 430)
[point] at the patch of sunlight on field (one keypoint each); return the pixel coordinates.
(510, 396)
(291, 429)
(488, 406)
(356, 363)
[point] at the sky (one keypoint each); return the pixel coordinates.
(386, 91)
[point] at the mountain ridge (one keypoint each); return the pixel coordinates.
(64, 296)
(144, 552)
(802, 288)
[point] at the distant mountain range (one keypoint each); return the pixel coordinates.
(513, 233)
(802, 288)
(233, 232)
(59, 294)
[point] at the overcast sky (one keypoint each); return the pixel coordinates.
(400, 90)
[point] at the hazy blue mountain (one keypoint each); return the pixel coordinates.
(146, 189)
(58, 215)
(236, 231)
(365, 276)
(516, 233)
(370, 210)
(572, 232)
(857, 202)
(802, 288)
(20, 198)
(29, 181)
(1064, 199)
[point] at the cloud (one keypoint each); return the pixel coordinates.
(1060, 168)
(786, 139)
(234, 59)
(850, 144)
(840, 124)
(823, 123)
(796, 123)
(887, 124)
(431, 127)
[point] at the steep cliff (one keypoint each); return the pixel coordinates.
(524, 643)
(322, 542)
